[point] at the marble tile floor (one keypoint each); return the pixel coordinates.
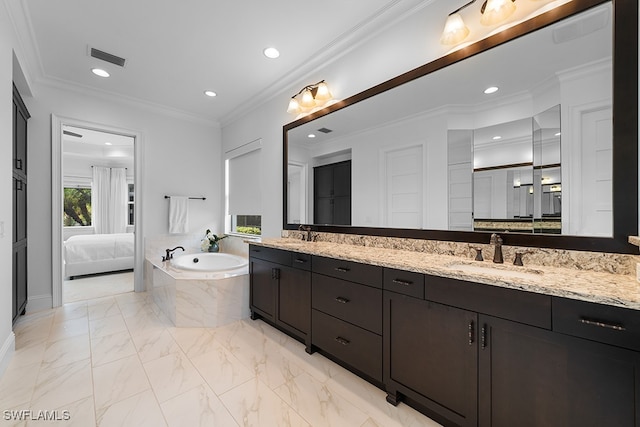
(118, 361)
(96, 286)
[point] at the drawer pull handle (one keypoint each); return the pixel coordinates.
(402, 282)
(342, 269)
(343, 341)
(300, 261)
(614, 326)
(342, 300)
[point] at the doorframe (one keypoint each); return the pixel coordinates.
(57, 122)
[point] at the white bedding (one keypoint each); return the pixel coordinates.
(98, 253)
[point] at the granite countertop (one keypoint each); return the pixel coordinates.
(604, 288)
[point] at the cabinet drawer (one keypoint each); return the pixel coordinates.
(404, 282)
(270, 254)
(511, 304)
(301, 261)
(354, 303)
(359, 348)
(353, 271)
(604, 323)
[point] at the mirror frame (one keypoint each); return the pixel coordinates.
(625, 136)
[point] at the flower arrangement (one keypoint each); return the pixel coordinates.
(210, 242)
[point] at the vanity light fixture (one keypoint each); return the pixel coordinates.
(309, 97)
(492, 12)
(100, 72)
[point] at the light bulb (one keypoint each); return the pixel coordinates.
(454, 30)
(307, 100)
(497, 11)
(323, 93)
(294, 107)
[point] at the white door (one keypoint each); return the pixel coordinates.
(404, 172)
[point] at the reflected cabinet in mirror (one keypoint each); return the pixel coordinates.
(550, 158)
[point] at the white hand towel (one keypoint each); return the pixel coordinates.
(178, 215)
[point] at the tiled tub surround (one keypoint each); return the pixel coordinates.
(600, 278)
(199, 299)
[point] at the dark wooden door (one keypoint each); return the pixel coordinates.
(431, 353)
(264, 288)
(534, 377)
(294, 299)
(332, 193)
(19, 207)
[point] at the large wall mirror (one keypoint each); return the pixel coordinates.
(551, 158)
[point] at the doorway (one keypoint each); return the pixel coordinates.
(96, 210)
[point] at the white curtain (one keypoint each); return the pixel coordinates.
(109, 200)
(118, 201)
(100, 193)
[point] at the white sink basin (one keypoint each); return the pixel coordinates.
(496, 270)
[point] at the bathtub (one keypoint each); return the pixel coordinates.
(208, 262)
(201, 289)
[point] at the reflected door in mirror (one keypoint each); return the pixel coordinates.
(332, 194)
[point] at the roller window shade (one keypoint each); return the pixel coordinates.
(245, 195)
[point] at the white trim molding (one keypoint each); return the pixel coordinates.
(7, 351)
(56, 200)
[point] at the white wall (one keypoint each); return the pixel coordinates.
(6, 172)
(180, 158)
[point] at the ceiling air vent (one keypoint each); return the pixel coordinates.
(324, 130)
(104, 56)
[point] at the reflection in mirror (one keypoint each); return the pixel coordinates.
(517, 175)
(409, 147)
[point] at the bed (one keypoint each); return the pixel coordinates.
(98, 253)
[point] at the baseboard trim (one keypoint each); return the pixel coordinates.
(39, 303)
(6, 352)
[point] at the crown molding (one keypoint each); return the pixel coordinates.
(387, 16)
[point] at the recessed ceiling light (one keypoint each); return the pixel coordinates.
(491, 89)
(210, 93)
(108, 143)
(100, 72)
(271, 52)
(311, 135)
(497, 137)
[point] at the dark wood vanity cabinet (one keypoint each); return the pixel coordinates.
(347, 314)
(431, 357)
(463, 353)
(280, 290)
(530, 376)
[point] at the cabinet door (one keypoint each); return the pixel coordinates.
(264, 288)
(431, 356)
(533, 377)
(19, 279)
(294, 299)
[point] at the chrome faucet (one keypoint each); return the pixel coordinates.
(496, 240)
(169, 252)
(306, 228)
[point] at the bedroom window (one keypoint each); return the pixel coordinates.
(77, 207)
